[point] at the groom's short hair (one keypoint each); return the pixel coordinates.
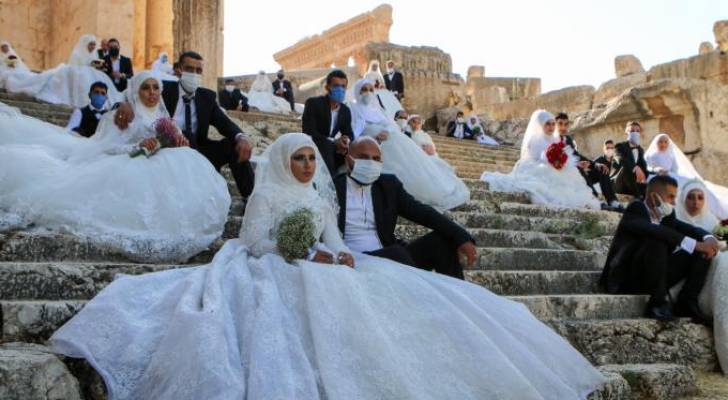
(658, 182)
(337, 73)
(561, 115)
(190, 54)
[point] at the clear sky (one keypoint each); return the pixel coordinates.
(564, 42)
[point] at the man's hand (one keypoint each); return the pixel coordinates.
(116, 74)
(467, 249)
(346, 259)
(639, 174)
(342, 144)
(323, 257)
(244, 149)
(124, 116)
(603, 168)
(150, 144)
(583, 164)
(383, 135)
(708, 247)
(181, 141)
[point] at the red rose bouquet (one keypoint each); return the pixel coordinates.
(556, 155)
(166, 136)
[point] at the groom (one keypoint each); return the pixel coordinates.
(195, 109)
(652, 251)
(370, 204)
(632, 174)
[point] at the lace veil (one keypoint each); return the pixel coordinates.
(80, 54)
(535, 141)
(654, 156)
(705, 219)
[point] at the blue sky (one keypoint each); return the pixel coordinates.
(564, 42)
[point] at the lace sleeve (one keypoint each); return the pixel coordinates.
(258, 226)
(331, 236)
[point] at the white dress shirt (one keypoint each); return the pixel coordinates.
(334, 117)
(179, 112)
(635, 154)
(360, 229)
(116, 67)
(77, 116)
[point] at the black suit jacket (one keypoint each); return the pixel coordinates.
(396, 84)
(288, 94)
(231, 101)
(625, 159)
(390, 200)
(613, 165)
(316, 119)
(569, 141)
(208, 113)
(634, 227)
(124, 68)
(102, 54)
(467, 133)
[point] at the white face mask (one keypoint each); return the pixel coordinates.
(390, 70)
(461, 120)
(401, 123)
(367, 98)
(664, 208)
(634, 138)
(366, 171)
(229, 88)
(190, 81)
(609, 153)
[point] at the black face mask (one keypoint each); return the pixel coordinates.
(280, 76)
(114, 51)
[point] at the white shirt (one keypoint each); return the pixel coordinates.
(179, 112)
(334, 117)
(360, 229)
(77, 116)
(116, 66)
(459, 130)
(636, 154)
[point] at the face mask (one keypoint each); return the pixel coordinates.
(338, 94)
(401, 123)
(461, 120)
(98, 101)
(609, 153)
(634, 138)
(366, 172)
(280, 76)
(390, 70)
(229, 88)
(190, 81)
(367, 98)
(164, 59)
(114, 52)
(664, 209)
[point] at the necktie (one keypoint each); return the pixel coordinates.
(188, 121)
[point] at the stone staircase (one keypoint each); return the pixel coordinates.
(547, 259)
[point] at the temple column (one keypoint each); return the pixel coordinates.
(198, 26)
(159, 35)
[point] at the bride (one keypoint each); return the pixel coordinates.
(386, 99)
(11, 63)
(534, 175)
(665, 158)
(429, 179)
(691, 209)
(261, 96)
(167, 207)
(252, 326)
(67, 83)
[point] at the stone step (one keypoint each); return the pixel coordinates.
(584, 306)
(513, 283)
(35, 105)
(521, 223)
(31, 372)
(616, 388)
(539, 210)
(525, 259)
(657, 381)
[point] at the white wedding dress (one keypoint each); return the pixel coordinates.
(251, 326)
(713, 300)
(674, 162)
(167, 207)
(534, 175)
(388, 101)
(10, 68)
(430, 180)
(261, 97)
(67, 84)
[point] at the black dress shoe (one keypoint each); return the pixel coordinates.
(691, 309)
(660, 313)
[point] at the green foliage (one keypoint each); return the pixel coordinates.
(295, 235)
(590, 228)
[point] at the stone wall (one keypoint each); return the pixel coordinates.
(24, 23)
(571, 100)
(198, 25)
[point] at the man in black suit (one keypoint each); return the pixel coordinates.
(591, 172)
(84, 121)
(230, 98)
(195, 109)
(325, 117)
(282, 88)
(459, 128)
(117, 67)
(607, 159)
(652, 251)
(103, 50)
(369, 205)
(394, 81)
(631, 176)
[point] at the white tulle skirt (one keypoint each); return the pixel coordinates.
(267, 102)
(545, 184)
(65, 84)
(249, 328)
(168, 207)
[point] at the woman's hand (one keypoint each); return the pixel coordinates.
(323, 257)
(150, 144)
(429, 149)
(346, 259)
(181, 141)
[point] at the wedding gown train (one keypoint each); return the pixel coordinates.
(250, 325)
(261, 97)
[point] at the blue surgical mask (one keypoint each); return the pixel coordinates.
(98, 100)
(164, 59)
(337, 94)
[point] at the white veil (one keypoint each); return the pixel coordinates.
(705, 219)
(681, 164)
(262, 84)
(19, 65)
(160, 66)
(371, 114)
(535, 141)
(80, 54)
(374, 76)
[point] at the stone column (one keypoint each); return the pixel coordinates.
(198, 26)
(159, 35)
(140, 37)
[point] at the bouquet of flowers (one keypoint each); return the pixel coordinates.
(166, 136)
(721, 231)
(556, 156)
(476, 130)
(295, 235)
